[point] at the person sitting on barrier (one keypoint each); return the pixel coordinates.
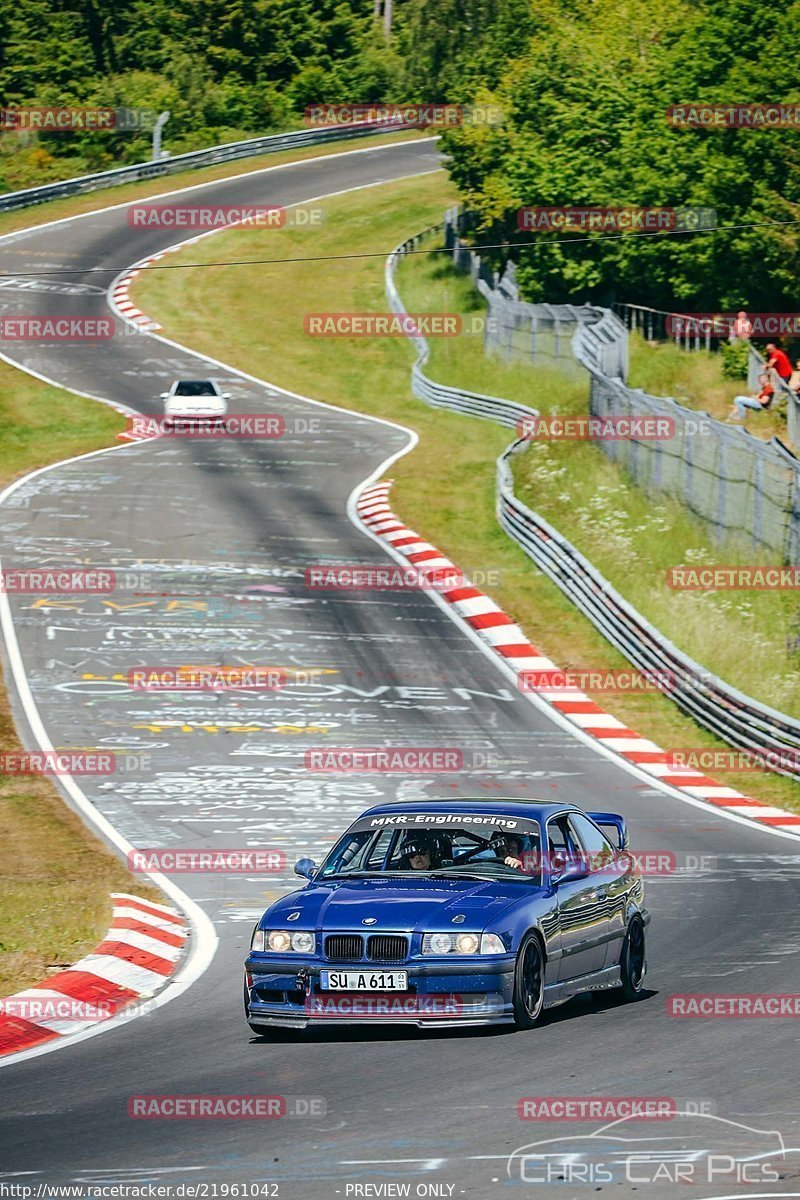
(794, 380)
(778, 361)
(760, 402)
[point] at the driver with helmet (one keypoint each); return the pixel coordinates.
(418, 852)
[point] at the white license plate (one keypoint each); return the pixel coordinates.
(364, 981)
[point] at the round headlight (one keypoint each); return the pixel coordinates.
(440, 943)
(467, 943)
(279, 940)
(303, 942)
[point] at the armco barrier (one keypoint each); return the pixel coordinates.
(735, 718)
(440, 395)
(739, 484)
(268, 144)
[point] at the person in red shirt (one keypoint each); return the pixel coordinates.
(778, 361)
(762, 401)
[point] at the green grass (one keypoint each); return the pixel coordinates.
(695, 379)
(43, 424)
(252, 317)
(629, 535)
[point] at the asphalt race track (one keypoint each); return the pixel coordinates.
(214, 538)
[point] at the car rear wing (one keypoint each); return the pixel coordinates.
(616, 822)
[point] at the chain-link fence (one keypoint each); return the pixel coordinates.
(515, 329)
(738, 719)
(755, 365)
(740, 485)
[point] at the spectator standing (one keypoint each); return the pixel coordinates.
(742, 327)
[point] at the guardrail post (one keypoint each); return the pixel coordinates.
(157, 129)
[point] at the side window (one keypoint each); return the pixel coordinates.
(560, 839)
(595, 844)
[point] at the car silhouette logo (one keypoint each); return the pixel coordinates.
(369, 921)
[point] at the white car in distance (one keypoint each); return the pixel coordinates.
(192, 400)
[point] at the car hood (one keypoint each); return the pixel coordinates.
(406, 905)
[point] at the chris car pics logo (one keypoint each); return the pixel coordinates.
(701, 1150)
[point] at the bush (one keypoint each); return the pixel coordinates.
(735, 357)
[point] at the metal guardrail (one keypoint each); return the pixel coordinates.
(737, 719)
(268, 144)
(440, 395)
(727, 712)
(740, 484)
(756, 363)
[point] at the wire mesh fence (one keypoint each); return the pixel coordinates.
(740, 485)
(516, 329)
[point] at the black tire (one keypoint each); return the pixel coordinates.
(261, 1030)
(632, 961)
(529, 983)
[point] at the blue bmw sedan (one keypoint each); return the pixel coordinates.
(466, 912)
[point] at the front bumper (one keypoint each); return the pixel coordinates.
(287, 992)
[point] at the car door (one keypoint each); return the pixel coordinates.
(584, 928)
(610, 886)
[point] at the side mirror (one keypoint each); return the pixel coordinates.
(570, 868)
(164, 396)
(306, 868)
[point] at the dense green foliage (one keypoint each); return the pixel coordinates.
(584, 86)
(585, 101)
(223, 68)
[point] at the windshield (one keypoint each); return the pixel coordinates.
(195, 387)
(437, 850)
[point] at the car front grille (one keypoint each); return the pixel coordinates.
(344, 947)
(387, 947)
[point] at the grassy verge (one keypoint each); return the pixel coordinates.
(72, 206)
(632, 537)
(56, 879)
(215, 312)
(56, 876)
(695, 379)
(43, 424)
